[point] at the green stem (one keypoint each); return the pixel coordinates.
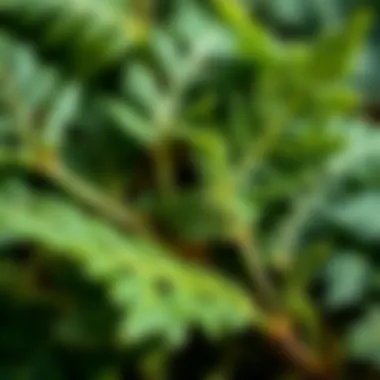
(257, 271)
(53, 169)
(258, 153)
(164, 170)
(95, 199)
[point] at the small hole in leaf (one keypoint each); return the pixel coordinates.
(163, 287)
(206, 298)
(129, 271)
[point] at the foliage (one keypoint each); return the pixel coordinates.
(173, 179)
(302, 19)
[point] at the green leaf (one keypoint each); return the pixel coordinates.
(257, 41)
(167, 53)
(142, 84)
(155, 291)
(348, 277)
(359, 215)
(190, 216)
(131, 123)
(203, 32)
(341, 47)
(288, 11)
(62, 112)
(65, 22)
(364, 338)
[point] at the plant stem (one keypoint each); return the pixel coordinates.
(256, 270)
(278, 328)
(282, 335)
(164, 171)
(87, 194)
(49, 165)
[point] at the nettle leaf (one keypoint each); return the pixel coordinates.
(348, 277)
(158, 294)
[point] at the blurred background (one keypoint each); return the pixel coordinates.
(189, 189)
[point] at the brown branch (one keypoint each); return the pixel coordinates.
(50, 166)
(278, 329)
(283, 337)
